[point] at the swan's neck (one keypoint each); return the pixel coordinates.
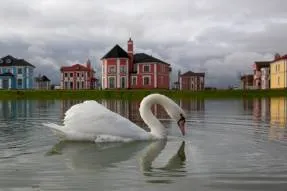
(156, 127)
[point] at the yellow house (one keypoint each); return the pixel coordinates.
(278, 72)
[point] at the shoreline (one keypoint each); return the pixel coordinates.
(137, 94)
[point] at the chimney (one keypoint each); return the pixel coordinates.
(277, 56)
(88, 64)
(131, 53)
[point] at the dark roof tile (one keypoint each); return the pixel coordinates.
(116, 52)
(11, 61)
(190, 73)
(142, 58)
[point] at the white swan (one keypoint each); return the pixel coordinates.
(93, 122)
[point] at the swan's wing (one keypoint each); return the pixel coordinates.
(93, 118)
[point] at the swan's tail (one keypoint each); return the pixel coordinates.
(57, 129)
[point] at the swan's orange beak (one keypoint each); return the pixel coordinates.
(181, 125)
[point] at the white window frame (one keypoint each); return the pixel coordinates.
(115, 82)
(125, 85)
(109, 69)
(134, 77)
(148, 81)
(149, 68)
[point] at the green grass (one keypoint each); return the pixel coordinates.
(136, 94)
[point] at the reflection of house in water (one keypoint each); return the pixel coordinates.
(278, 118)
(247, 104)
(130, 110)
(278, 113)
(192, 104)
(260, 108)
(10, 109)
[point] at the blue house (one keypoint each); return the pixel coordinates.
(15, 73)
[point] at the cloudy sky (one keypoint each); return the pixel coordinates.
(220, 37)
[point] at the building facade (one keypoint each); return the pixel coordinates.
(15, 73)
(121, 69)
(192, 81)
(265, 78)
(258, 67)
(246, 81)
(42, 83)
(278, 72)
(78, 76)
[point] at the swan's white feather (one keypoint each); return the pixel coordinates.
(91, 120)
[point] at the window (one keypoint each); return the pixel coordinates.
(66, 84)
(278, 81)
(66, 74)
(78, 74)
(19, 83)
(78, 85)
(111, 82)
(71, 85)
(123, 69)
(123, 82)
(71, 74)
(20, 71)
(146, 68)
(134, 80)
(112, 69)
(83, 85)
(146, 81)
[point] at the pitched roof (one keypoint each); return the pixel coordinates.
(142, 58)
(190, 73)
(42, 79)
(12, 61)
(279, 58)
(262, 64)
(116, 52)
(75, 67)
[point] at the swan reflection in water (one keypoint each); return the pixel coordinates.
(90, 156)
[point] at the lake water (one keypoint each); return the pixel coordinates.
(230, 145)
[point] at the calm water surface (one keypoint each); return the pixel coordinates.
(230, 145)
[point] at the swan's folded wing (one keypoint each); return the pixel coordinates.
(92, 117)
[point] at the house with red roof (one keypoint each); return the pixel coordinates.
(78, 76)
(191, 81)
(129, 70)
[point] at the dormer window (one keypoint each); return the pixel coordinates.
(8, 61)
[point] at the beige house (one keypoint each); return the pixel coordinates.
(191, 81)
(42, 82)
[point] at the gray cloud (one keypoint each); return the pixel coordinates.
(222, 37)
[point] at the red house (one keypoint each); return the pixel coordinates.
(191, 81)
(78, 76)
(121, 69)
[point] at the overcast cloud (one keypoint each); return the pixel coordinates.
(220, 37)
